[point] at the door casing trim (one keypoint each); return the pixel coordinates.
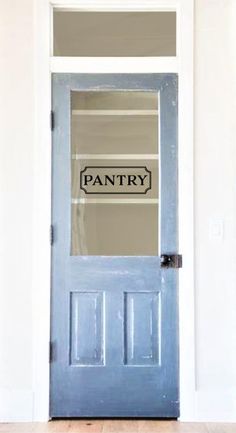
(41, 278)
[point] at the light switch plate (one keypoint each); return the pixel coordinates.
(216, 229)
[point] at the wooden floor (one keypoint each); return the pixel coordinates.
(117, 426)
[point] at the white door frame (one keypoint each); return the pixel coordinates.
(44, 65)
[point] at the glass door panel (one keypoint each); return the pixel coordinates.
(114, 173)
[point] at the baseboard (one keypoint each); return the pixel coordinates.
(16, 405)
(212, 406)
(217, 406)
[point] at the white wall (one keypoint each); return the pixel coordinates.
(215, 189)
(215, 201)
(16, 183)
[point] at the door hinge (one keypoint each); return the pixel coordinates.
(51, 234)
(171, 261)
(52, 120)
(51, 351)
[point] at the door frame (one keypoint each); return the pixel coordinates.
(44, 65)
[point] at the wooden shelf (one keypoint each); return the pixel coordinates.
(114, 112)
(114, 200)
(135, 156)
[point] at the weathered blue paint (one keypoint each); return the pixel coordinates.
(126, 368)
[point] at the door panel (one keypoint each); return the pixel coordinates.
(86, 333)
(141, 328)
(114, 310)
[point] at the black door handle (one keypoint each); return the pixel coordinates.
(171, 261)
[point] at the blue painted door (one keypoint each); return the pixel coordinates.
(114, 309)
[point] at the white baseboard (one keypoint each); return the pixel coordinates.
(213, 406)
(217, 406)
(16, 405)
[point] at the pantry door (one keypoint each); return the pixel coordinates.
(114, 307)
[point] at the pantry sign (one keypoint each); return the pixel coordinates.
(115, 180)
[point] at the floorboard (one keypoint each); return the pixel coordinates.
(117, 426)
